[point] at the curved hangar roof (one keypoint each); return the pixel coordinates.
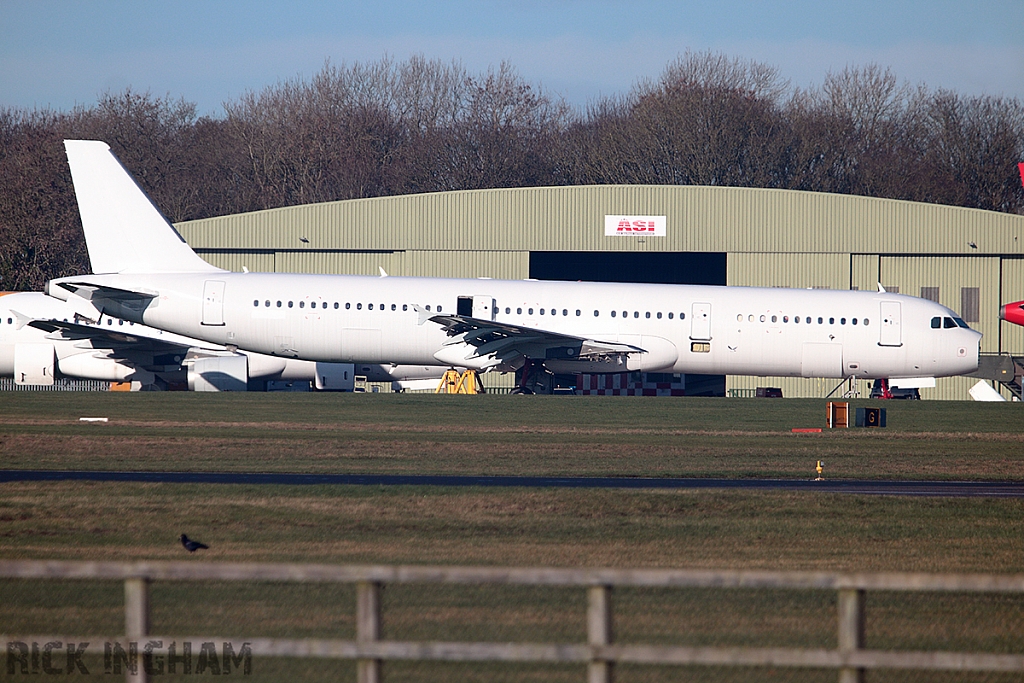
(697, 219)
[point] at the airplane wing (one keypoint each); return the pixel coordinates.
(91, 300)
(506, 343)
(140, 349)
(91, 292)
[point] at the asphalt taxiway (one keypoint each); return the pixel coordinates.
(991, 489)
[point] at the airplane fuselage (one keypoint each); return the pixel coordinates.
(681, 328)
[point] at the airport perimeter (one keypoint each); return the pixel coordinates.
(708, 530)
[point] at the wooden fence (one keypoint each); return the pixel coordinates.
(600, 653)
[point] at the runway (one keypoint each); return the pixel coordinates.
(986, 489)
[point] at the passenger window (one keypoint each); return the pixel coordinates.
(529, 311)
(842, 321)
(359, 307)
(820, 320)
(507, 310)
(762, 318)
(256, 302)
(831, 321)
(625, 314)
(739, 317)
(936, 322)
(279, 304)
(596, 313)
(290, 304)
(613, 314)
(302, 304)
(428, 307)
(438, 309)
(866, 321)
(854, 321)
(636, 314)
(369, 307)
(670, 315)
(659, 315)
(565, 312)
(542, 311)
(785, 318)
(405, 307)
(682, 315)
(775, 318)
(335, 305)
(577, 312)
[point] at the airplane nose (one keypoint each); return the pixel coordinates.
(1013, 313)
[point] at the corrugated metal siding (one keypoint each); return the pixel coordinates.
(341, 263)
(1012, 336)
(490, 264)
(469, 264)
(259, 262)
(946, 388)
(864, 272)
(911, 273)
(824, 271)
(572, 218)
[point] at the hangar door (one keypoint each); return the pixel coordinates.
(657, 267)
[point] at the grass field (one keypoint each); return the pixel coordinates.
(551, 527)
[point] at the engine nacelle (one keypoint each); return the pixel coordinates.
(219, 373)
(94, 365)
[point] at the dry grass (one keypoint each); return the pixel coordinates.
(728, 529)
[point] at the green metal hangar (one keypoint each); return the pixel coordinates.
(969, 260)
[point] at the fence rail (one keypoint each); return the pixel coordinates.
(851, 659)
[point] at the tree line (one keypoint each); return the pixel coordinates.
(390, 127)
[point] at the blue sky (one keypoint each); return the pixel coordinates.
(59, 53)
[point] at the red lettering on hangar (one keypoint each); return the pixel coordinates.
(635, 226)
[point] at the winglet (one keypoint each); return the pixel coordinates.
(383, 273)
(881, 289)
(124, 231)
(21, 318)
(423, 315)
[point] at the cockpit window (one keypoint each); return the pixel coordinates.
(961, 323)
(936, 322)
(948, 323)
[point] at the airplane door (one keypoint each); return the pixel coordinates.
(890, 332)
(700, 321)
(483, 307)
(213, 302)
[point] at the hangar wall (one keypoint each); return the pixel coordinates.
(771, 238)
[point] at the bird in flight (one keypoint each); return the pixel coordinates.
(191, 545)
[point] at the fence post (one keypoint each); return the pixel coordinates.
(599, 631)
(851, 630)
(367, 628)
(136, 622)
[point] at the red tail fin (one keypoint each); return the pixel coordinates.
(1020, 167)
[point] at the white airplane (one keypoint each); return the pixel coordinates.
(41, 340)
(143, 271)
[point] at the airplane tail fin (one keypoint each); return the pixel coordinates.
(124, 231)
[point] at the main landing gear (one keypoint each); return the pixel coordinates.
(533, 379)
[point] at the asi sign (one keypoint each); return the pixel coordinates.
(634, 226)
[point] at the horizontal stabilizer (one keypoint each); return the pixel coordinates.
(124, 231)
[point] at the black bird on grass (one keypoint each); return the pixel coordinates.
(191, 545)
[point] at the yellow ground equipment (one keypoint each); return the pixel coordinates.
(454, 383)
